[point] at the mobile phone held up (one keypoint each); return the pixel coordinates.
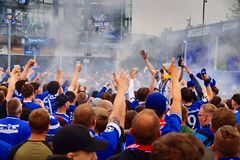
(180, 60)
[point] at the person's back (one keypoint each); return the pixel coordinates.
(85, 115)
(12, 129)
(4, 150)
(28, 95)
(177, 146)
(35, 148)
(32, 150)
(145, 129)
(49, 101)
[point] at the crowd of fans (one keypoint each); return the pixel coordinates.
(57, 118)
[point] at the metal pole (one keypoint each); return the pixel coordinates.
(185, 53)
(203, 16)
(216, 54)
(35, 56)
(9, 42)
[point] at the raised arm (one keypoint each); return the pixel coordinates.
(12, 80)
(206, 80)
(149, 65)
(119, 106)
(58, 76)
(197, 84)
(151, 86)
(75, 77)
(181, 74)
(131, 95)
(176, 93)
(29, 64)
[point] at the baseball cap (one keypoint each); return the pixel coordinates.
(191, 83)
(61, 99)
(157, 102)
(75, 137)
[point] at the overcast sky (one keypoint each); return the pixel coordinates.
(152, 16)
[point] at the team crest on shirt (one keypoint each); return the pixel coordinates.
(109, 129)
(9, 129)
(91, 134)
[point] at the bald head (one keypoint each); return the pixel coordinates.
(105, 104)
(145, 127)
(84, 115)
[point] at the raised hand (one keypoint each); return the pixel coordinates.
(122, 81)
(172, 70)
(143, 54)
(79, 67)
(133, 73)
(31, 62)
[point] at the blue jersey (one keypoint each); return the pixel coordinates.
(237, 114)
(193, 121)
(31, 105)
(65, 117)
(173, 124)
(5, 149)
(205, 136)
(111, 134)
(49, 103)
(53, 128)
(232, 158)
(13, 130)
(70, 111)
(42, 95)
(129, 140)
(18, 95)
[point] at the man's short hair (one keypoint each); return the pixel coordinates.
(227, 142)
(71, 96)
(105, 104)
(19, 84)
(209, 108)
(128, 119)
(53, 87)
(229, 103)
(145, 127)
(3, 93)
(102, 116)
(142, 93)
(221, 117)
(84, 115)
(106, 96)
(81, 98)
(35, 85)
(215, 90)
(187, 94)
(177, 146)
(13, 106)
(236, 98)
(39, 120)
(216, 100)
(27, 90)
